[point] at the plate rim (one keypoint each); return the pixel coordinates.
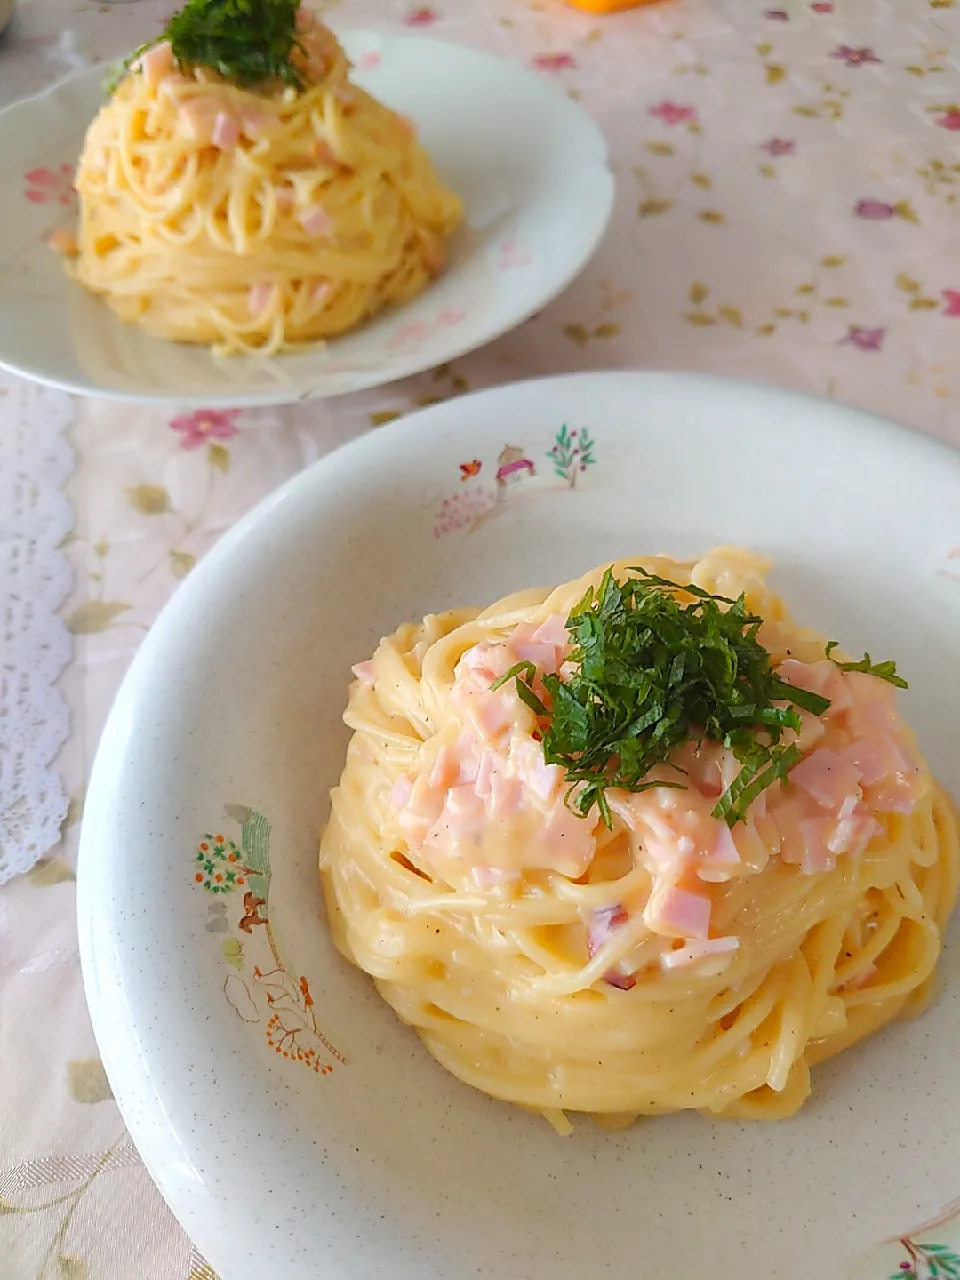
(101, 785)
(414, 364)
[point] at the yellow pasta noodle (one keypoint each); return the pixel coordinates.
(255, 219)
(495, 969)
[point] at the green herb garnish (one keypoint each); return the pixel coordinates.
(650, 673)
(882, 670)
(248, 42)
(116, 73)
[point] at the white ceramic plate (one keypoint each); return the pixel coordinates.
(530, 165)
(362, 1158)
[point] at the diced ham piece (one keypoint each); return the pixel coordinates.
(171, 83)
(433, 254)
(865, 688)
(566, 841)
(324, 153)
(254, 121)
(602, 925)
(316, 221)
(895, 795)
(506, 795)
(156, 64)
(286, 199)
(786, 818)
(876, 758)
(827, 777)
(490, 713)
(812, 729)
(816, 834)
(226, 132)
(364, 671)
(261, 296)
(463, 817)
(446, 769)
(694, 952)
(199, 115)
(703, 764)
(541, 653)
(546, 645)
(424, 804)
(543, 656)
(318, 66)
(868, 719)
(724, 852)
(401, 792)
(463, 802)
(853, 832)
(553, 631)
(455, 766)
(469, 756)
(722, 862)
(824, 678)
(677, 830)
(485, 771)
(63, 241)
(543, 780)
(622, 981)
(480, 666)
(677, 913)
(493, 877)
(874, 708)
(320, 292)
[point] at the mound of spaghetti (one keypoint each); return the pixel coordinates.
(237, 190)
(637, 844)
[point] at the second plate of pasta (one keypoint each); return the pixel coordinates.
(229, 257)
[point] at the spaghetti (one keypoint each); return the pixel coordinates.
(668, 960)
(255, 218)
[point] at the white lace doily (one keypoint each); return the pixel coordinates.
(35, 646)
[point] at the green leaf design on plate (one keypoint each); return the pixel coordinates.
(75, 808)
(203, 1272)
(939, 1262)
(219, 457)
(149, 499)
(50, 871)
(94, 615)
(87, 1081)
(181, 562)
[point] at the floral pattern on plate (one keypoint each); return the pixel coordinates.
(260, 990)
(466, 509)
(930, 1251)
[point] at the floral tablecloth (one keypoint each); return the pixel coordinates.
(787, 211)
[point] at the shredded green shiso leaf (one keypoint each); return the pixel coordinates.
(648, 673)
(249, 42)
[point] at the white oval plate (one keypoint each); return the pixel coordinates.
(296, 1128)
(530, 165)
